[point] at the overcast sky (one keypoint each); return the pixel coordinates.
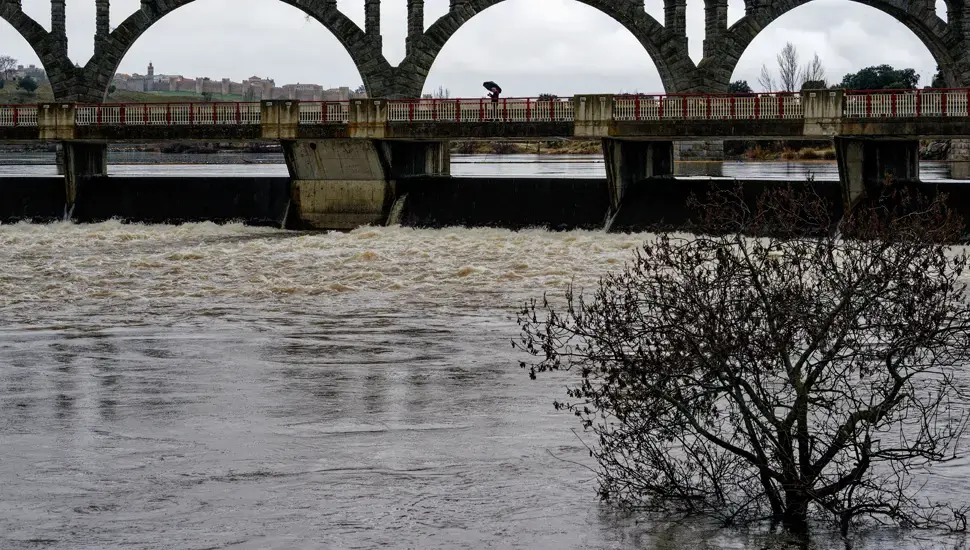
(528, 46)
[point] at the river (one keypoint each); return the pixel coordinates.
(136, 163)
(223, 386)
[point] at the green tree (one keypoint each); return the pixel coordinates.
(814, 85)
(739, 87)
(798, 375)
(939, 81)
(881, 77)
(28, 84)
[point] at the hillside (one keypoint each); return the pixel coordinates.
(10, 94)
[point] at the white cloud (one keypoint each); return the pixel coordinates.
(529, 46)
(846, 36)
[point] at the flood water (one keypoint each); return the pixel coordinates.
(205, 386)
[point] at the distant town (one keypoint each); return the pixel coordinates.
(252, 89)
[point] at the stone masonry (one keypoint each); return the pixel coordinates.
(666, 43)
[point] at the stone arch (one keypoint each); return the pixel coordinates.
(364, 51)
(667, 49)
(51, 52)
(944, 40)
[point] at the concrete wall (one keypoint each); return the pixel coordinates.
(515, 203)
(256, 200)
(959, 150)
(32, 199)
(710, 150)
(664, 202)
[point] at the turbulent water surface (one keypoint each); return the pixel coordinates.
(205, 386)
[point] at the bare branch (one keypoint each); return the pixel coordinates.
(766, 81)
(788, 69)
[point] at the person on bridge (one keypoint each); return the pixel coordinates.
(494, 90)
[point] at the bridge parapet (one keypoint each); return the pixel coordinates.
(368, 118)
(593, 115)
(56, 121)
(822, 112)
(812, 113)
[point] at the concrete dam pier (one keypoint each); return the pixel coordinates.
(341, 184)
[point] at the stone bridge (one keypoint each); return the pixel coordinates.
(666, 43)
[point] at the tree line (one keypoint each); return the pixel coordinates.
(792, 75)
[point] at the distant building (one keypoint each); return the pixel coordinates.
(32, 71)
(253, 88)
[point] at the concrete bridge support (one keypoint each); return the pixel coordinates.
(630, 162)
(83, 163)
(705, 150)
(866, 164)
(347, 183)
(959, 151)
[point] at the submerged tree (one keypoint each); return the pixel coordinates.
(766, 370)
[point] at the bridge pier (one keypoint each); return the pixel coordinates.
(867, 164)
(959, 150)
(630, 162)
(346, 183)
(82, 163)
(709, 150)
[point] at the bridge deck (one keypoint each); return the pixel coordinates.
(812, 114)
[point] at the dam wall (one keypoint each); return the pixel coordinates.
(423, 201)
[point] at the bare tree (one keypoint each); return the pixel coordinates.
(813, 72)
(441, 93)
(788, 68)
(7, 65)
(770, 368)
(791, 75)
(766, 81)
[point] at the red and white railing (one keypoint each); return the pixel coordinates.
(168, 114)
(480, 110)
(708, 107)
(646, 108)
(906, 103)
(18, 115)
(324, 112)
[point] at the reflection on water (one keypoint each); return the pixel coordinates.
(204, 386)
(134, 163)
